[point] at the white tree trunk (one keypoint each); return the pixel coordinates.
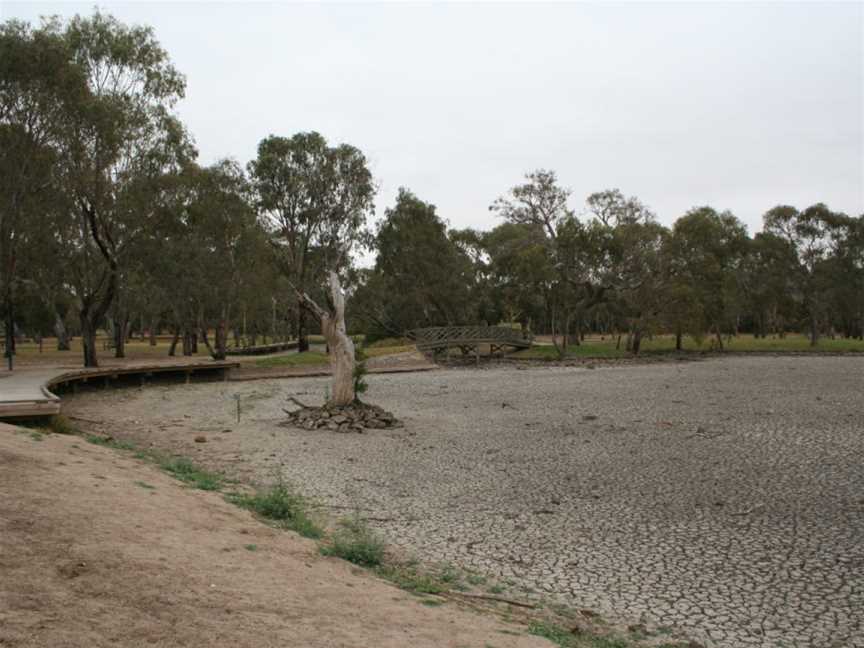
(341, 347)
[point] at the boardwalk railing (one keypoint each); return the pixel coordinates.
(468, 338)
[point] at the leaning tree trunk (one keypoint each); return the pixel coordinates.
(302, 339)
(341, 346)
(60, 332)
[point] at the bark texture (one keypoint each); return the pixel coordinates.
(341, 347)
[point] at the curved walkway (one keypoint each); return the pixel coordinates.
(27, 392)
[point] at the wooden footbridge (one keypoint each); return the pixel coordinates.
(468, 339)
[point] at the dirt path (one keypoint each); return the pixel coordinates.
(100, 549)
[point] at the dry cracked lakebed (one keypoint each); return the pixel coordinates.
(724, 497)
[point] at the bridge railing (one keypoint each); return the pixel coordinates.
(444, 336)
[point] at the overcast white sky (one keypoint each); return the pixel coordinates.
(739, 106)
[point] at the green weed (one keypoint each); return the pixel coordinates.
(356, 543)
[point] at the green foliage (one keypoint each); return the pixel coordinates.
(280, 504)
(360, 371)
(355, 542)
(187, 472)
(421, 276)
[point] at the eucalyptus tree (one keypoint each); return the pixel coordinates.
(768, 284)
(845, 274)
(541, 203)
(113, 151)
(707, 252)
(427, 274)
(315, 200)
(39, 83)
(809, 235)
(234, 258)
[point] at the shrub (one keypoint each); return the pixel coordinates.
(356, 543)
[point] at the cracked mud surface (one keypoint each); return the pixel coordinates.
(723, 497)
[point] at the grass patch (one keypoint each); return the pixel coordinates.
(596, 347)
(187, 472)
(251, 547)
(565, 638)
(407, 577)
(390, 342)
(430, 602)
(357, 543)
(109, 442)
(306, 358)
(145, 485)
(280, 504)
(59, 424)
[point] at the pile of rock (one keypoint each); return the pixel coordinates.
(350, 418)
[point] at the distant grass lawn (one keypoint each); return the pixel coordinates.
(594, 347)
(304, 359)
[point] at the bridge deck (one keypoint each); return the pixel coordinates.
(27, 392)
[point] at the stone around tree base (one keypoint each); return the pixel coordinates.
(356, 417)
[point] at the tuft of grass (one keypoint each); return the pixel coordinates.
(251, 547)
(430, 602)
(280, 504)
(109, 442)
(187, 472)
(356, 543)
(59, 424)
(36, 435)
(569, 639)
(408, 578)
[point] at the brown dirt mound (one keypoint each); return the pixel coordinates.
(100, 549)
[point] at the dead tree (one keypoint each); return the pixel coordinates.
(341, 346)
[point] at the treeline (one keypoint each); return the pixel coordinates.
(615, 269)
(107, 222)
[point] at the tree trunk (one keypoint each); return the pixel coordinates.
(341, 347)
(121, 325)
(636, 342)
(187, 342)
(10, 336)
(173, 348)
(220, 350)
(88, 340)
(678, 336)
(60, 332)
(814, 331)
(302, 340)
(153, 332)
(719, 337)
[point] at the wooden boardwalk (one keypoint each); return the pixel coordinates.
(26, 392)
